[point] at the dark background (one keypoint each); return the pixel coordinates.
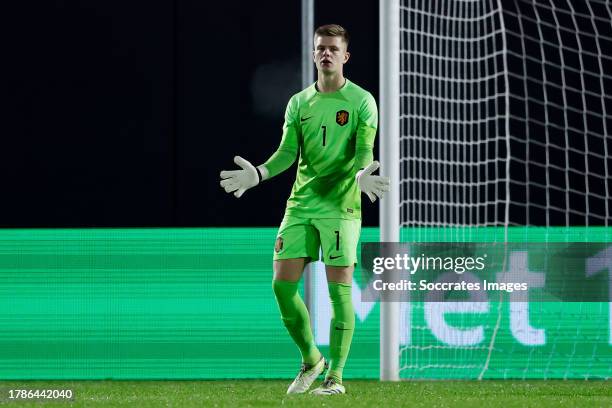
(122, 114)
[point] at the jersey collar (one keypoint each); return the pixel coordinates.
(342, 88)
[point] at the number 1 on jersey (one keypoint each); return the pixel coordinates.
(324, 134)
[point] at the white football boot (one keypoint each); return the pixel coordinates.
(307, 375)
(329, 387)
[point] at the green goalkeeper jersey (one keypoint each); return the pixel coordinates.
(333, 136)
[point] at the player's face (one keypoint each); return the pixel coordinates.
(330, 54)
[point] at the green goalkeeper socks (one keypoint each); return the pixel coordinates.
(294, 315)
(341, 329)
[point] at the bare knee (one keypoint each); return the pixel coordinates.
(289, 269)
(340, 274)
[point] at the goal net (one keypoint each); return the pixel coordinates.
(505, 117)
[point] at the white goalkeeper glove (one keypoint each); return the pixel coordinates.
(239, 181)
(373, 186)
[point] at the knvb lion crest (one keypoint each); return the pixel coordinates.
(342, 117)
(278, 245)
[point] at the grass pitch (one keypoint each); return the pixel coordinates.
(255, 393)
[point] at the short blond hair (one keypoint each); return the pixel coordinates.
(332, 30)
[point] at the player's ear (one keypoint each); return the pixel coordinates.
(347, 55)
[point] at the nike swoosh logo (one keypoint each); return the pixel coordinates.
(305, 119)
(335, 257)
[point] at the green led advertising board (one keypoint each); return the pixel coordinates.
(198, 304)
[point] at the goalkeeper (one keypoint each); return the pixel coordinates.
(330, 126)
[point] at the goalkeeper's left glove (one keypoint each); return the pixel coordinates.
(240, 181)
(373, 186)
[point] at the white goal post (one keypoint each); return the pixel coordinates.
(389, 137)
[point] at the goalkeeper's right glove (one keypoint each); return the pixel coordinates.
(239, 181)
(373, 186)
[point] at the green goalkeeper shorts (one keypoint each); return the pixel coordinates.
(302, 237)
